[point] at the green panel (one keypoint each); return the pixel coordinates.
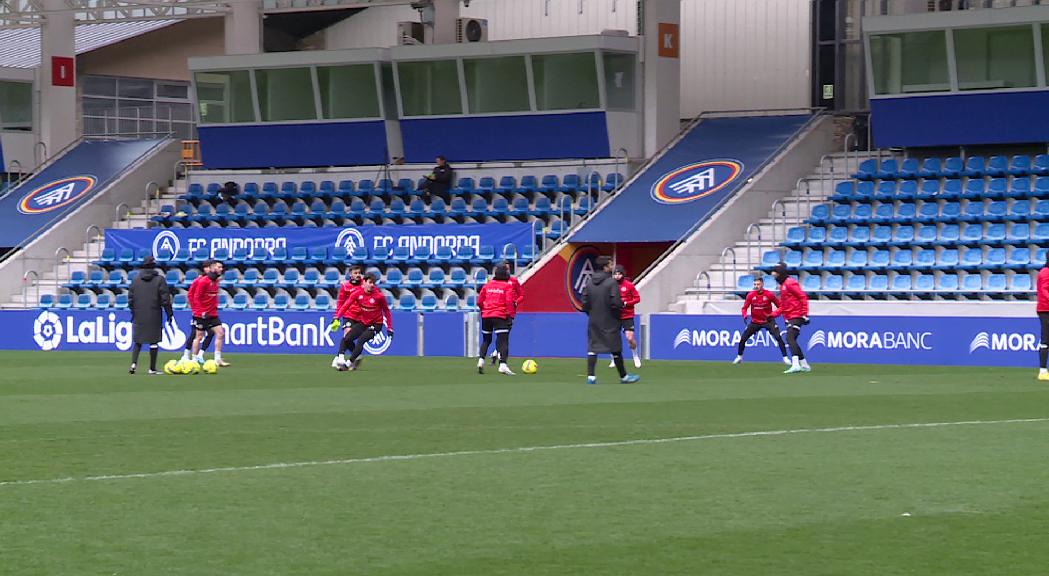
(910, 62)
(16, 105)
(285, 94)
(348, 91)
(430, 88)
(620, 80)
(497, 84)
(566, 81)
(224, 97)
(995, 58)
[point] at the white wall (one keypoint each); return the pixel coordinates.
(735, 54)
(744, 55)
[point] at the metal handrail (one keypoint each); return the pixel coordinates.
(25, 287)
(68, 259)
(705, 275)
(721, 260)
(615, 168)
(783, 209)
(88, 240)
(746, 235)
(845, 149)
(808, 193)
(149, 198)
(118, 217)
(591, 201)
(43, 157)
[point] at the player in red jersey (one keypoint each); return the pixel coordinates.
(630, 297)
(760, 303)
(1043, 317)
(348, 288)
(367, 309)
(204, 302)
(794, 307)
(496, 301)
(518, 295)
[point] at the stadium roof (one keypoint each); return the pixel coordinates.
(20, 47)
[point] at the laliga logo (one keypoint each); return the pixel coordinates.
(578, 273)
(47, 331)
(350, 239)
(174, 338)
(378, 344)
(56, 194)
(695, 181)
(683, 337)
(166, 241)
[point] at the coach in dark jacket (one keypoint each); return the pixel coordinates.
(439, 181)
(602, 304)
(148, 300)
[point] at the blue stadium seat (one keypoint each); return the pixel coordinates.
(613, 181)
(1020, 165)
(421, 255)
(866, 170)
(812, 260)
(864, 192)
(230, 278)
(1020, 211)
(1018, 233)
(330, 279)
(833, 285)
(240, 301)
(924, 259)
(1020, 283)
(456, 277)
(952, 167)
(857, 260)
(887, 169)
(795, 236)
(946, 284)
(951, 190)
(485, 254)
(529, 184)
(861, 215)
(406, 303)
(905, 212)
(428, 303)
(903, 235)
(974, 166)
(507, 186)
(907, 191)
(843, 192)
(322, 302)
(924, 285)
(930, 168)
(270, 278)
(1020, 188)
(120, 302)
(971, 259)
(886, 191)
(1019, 258)
(281, 302)
(928, 212)
(840, 213)
(311, 278)
(1040, 165)
(995, 234)
(879, 260)
(816, 237)
(997, 166)
(450, 303)
(995, 283)
(972, 234)
(994, 259)
(811, 284)
(179, 302)
(859, 236)
(116, 278)
(769, 259)
(291, 278)
(947, 236)
(950, 212)
(414, 278)
(930, 190)
(251, 277)
(901, 285)
(974, 189)
(997, 189)
(401, 255)
(83, 302)
(261, 301)
(902, 259)
(908, 169)
(855, 286)
(835, 260)
(103, 301)
(77, 279)
(792, 259)
(947, 259)
(821, 214)
(974, 212)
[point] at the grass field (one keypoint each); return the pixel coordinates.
(280, 466)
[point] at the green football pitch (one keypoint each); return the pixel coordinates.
(281, 466)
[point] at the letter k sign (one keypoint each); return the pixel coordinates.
(668, 40)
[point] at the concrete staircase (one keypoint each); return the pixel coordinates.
(719, 281)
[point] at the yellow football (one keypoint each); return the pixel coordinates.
(529, 367)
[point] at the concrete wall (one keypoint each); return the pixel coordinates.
(160, 54)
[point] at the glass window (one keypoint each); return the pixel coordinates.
(348, 91)
(16, 105)
(619, 80)
(176, 91)
(225, 97)
(285, 94)
(910, 62)
(98, 86)
(173, 111)
(135, 88)
(497, 84)
(99, 106)
(565, 81)
(990, 58)
(135, 109)
(430, 87)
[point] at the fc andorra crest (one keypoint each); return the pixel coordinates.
(55, 195)
(695, 181)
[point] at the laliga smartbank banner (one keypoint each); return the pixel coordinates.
(248, 332)
(855, 340)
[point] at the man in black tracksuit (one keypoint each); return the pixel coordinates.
(438, 182)
(148, 299)
(602, 304)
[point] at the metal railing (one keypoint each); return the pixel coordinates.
(746, 235)
(88, 239)
(902, 7)
(67, 260)
(117, 217)
(704, 275)
(26, 286)
(151, 186)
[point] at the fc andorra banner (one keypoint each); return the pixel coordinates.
(918, 340)
(260, 242)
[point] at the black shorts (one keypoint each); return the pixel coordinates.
(209, 323)
(495, 325)
(797, 323)
(627, 324)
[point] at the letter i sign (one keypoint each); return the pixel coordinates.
(62, 73)
(668, 40)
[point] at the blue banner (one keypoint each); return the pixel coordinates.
(246, 332)
(63, 186)
(260, 242)
(917, 340)
(690, 181)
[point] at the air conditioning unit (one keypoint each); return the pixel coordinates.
(469, 30)
(410, 33)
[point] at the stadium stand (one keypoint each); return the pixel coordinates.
(920, 229)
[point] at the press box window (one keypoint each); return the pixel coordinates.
(430, 88)
(285, 94)
(497, 84)
(565, 81)
(348, 91)
(992, 58)
(910, 62)
(225, 97)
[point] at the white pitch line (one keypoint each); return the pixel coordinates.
(519, 450)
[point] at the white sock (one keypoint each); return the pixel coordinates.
(1042, 371)
(342, 358)
(804, 363)
(739, 357)
(200, 357)
(634, 354)
(786, 360)
(794, 362)
(185, 354)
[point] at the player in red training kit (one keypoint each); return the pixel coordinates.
(760, 302)
(204, 302)
(1043, 317)
(794, 307)
(518, 295)
(630, 297)
(367, 309)
(496, 301)
(348, 288)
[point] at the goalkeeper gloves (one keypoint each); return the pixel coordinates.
(335, 323)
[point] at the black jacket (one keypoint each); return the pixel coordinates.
(148, 298)
(602, 304)
(441, 181)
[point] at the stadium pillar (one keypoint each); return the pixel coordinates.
(243, 27)
(445, 13)
(662, 69)
(57, 82)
